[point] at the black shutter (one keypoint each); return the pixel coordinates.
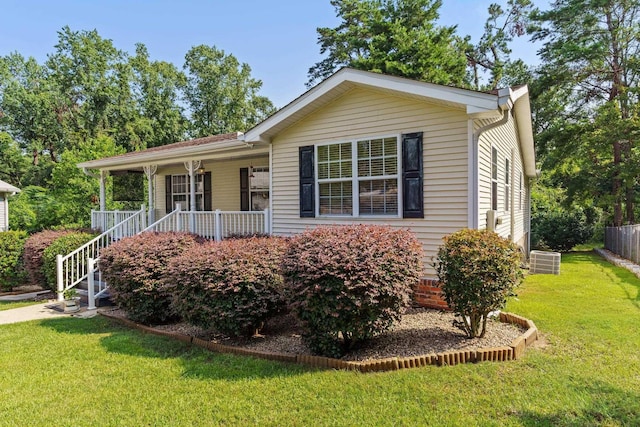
(412, 181)
(167, 194)
(207, 191)
(244, 189)
(307, 184)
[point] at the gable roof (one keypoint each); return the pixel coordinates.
(474, 102)
(5, 187)
(478, 105)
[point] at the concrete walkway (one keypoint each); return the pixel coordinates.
(47, 310)
(31, 312)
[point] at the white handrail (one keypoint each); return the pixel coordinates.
(104, 220)
(209, 224)
(72, 268)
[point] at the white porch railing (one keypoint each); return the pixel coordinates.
(104, 220)
(73, 268)
(216, 225)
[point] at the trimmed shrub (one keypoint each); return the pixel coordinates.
(135, 268)
(477, 270)
(62, 245)
(350, 283)
(233, 286)
(34, 248)
(11, 249)
(561, 230)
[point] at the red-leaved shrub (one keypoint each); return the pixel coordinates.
(350, 283)
(135, 269)
(232, 286)
(34, 248)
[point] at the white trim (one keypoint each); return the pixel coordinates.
(496, 179)
(165, 156)
(473, 189)
(472, 101)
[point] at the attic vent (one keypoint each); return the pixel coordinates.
(545, 262)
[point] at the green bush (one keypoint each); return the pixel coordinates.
(135, 269)
(11, 249)
(560, 230)
(477, 270)
(62, 245)
(350, 283)
(233, 286)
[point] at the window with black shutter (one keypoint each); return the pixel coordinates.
(307, 182)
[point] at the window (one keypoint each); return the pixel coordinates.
(180, 187)
(507, 185)
(520, 192)
(494, 178)
(259, 188)
(358, 178)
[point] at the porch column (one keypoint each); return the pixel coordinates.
(150, 172)
(192, 166)
(103, 192)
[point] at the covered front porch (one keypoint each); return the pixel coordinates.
(216, 187)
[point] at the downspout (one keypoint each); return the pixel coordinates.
(475, 161)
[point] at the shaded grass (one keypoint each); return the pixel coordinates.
(104, 374)
(8, 305)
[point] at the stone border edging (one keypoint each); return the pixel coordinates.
(618, 261)
(513, 351)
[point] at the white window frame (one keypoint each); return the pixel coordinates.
(507, 184)
(188, 191)
(520, 193)
(355, 179)
(257, 190)
(494, 181)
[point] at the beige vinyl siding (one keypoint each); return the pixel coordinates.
(505, 139)
(362, 113)
(225, 181)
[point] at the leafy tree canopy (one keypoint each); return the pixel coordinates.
(398, 37)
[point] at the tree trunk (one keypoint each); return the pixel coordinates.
(617, 185)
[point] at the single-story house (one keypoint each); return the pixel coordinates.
(360, 147)
(6, 190)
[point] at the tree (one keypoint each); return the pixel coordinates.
(592, 65)
(157, 89)
(13, 165)
(222, 95)
(74, 192)
(492, 52)
(96, 81)
(398, 37)
(31, 108)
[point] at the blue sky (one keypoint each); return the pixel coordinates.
(276, 38)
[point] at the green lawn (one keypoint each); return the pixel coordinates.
(8, 305)
(93, 372)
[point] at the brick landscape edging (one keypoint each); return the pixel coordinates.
(494, 354)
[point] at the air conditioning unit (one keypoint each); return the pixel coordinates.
(542, 262)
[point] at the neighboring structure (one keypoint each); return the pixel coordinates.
(360, 147)
(6, 190)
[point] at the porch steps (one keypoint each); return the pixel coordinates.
(103, 300)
